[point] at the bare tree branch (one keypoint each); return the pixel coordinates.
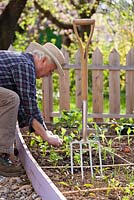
(84, 14)
(93, 10)
(53, 19)
(74, 4)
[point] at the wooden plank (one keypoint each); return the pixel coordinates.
(130, 83)
(110, 115)
(102, 115)
(41, 183)
(78, 81)
(97, 85)
(114, 83)
(100, 67)
(64, 86)
(47, 93)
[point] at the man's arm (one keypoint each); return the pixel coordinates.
(29, 114)
(46, 134)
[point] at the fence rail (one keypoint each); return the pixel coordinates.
(97, 92)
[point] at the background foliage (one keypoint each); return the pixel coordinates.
(51, 20)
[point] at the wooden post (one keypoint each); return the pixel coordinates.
(114, 83)
(64, 84)
(97, 84)
(47, 93)
(130, 82)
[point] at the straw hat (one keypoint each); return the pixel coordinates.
(51, 50)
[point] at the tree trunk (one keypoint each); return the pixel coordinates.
(8, 22)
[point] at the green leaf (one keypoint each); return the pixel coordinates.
(88, 185)
(63, 183)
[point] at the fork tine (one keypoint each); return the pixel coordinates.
(90, 157)
(81, 158)
(99, 148)
(71, 151)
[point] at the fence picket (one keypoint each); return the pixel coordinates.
(114, 83)
(97, 84)
(47, 94)
(130, 82)
(64, 85)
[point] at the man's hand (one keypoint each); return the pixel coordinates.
(46, 134)
(53, 139)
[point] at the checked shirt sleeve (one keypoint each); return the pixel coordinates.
(24, 77)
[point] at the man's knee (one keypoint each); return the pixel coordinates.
(14, 98)
(8, 97)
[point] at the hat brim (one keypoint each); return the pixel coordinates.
(36, 46)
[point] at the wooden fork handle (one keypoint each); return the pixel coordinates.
(83, 21)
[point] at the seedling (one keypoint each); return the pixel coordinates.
(54, 157)
(128, 133)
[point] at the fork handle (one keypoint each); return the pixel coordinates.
(84, 21)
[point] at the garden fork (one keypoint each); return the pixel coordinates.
(84, 87)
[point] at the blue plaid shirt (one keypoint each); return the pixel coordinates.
(17, 72)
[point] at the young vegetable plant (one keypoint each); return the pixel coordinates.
(128, 134)
(70, 123)
(77, 158)
(71, 119)
(54, 157)
(118, 131)
(37, 140)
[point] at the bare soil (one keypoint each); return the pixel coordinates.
(118, 172)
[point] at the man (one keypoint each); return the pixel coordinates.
(18, 73)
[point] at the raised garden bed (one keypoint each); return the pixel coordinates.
(117, 159)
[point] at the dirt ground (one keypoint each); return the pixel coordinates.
(117, 182)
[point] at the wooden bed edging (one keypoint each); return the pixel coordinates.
(41, 183)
